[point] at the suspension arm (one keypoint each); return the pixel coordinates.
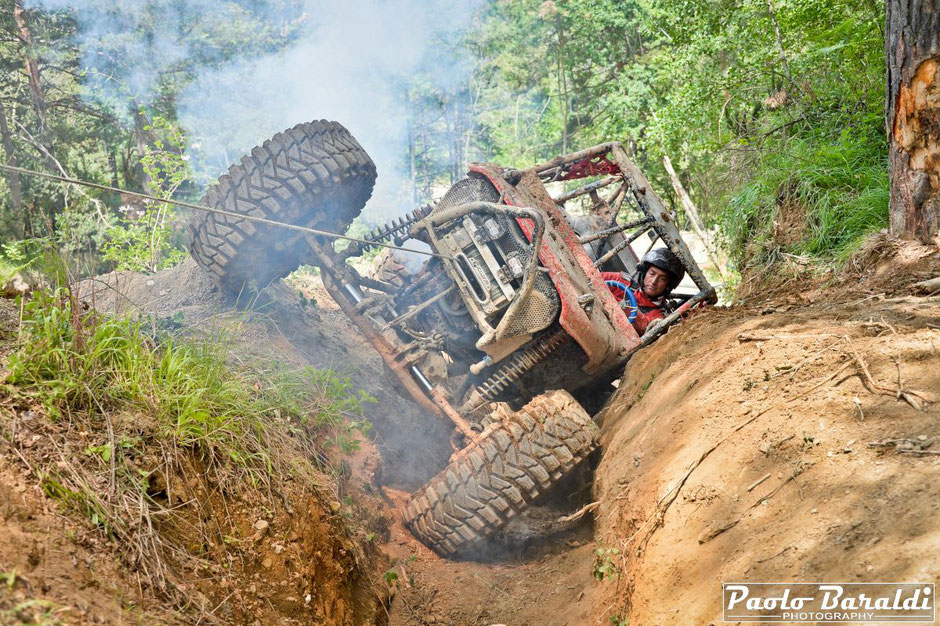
(437, 403)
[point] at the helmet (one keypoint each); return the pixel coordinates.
(664, 259)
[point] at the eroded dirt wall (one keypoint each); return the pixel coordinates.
(748, 446)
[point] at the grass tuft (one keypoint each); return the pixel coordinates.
(837, 189)
(91, 365)
(137, 415)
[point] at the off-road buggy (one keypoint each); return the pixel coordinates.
(488, 334)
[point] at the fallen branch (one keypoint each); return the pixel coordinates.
(775, 555)
(930, 287)
(758, 481)
(905, 445)
(742, 337)
(908, 395)
(587, 508)
(799, 469)
(713, 531)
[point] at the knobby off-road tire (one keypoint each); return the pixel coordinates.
(391, 269)
(314, 174)
(498, 477)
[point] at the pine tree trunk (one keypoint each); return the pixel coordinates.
(16, 193)
(912, 46)
(140, 134)
(36, 95)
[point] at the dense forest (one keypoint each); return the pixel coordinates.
(763, 107)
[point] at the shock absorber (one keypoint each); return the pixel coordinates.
(395, 231)
(510, 371)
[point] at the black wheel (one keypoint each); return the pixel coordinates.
(314, 174)
(496, 478)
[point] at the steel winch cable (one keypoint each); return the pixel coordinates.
(199, 207)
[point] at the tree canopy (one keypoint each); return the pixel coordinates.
(760, 104)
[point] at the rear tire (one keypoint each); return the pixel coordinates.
(495, 479)
(314, 174)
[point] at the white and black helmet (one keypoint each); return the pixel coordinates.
(664, 259)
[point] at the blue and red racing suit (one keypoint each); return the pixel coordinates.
(647, 308)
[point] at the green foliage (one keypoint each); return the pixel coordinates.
(604, 566)
(833, 192)
(106, 111)
(82, 501)
(35, 612)
(708, 83)
(747, 119)
(142, 239)
(27, 256)
(8, 578)
(80, 364)
(323, 399)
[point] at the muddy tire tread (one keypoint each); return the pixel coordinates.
(314, 174)
(494, 480)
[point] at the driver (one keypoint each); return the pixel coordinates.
(657, 275)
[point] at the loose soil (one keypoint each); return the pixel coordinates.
(747, 444)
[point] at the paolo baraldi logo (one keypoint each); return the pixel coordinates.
(828, 602)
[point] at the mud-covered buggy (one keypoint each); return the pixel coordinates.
(498, 333)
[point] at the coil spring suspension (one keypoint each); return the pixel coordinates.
(395, 230)
(516, 367)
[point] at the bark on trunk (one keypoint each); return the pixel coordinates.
(16, 193)
(912, 46)
(692, 211)
(36, 95)
(140, 134)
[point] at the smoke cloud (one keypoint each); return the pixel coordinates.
(346, 61)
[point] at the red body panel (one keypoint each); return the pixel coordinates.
(596, 166)
(603, 332)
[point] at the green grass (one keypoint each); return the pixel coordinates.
(132, 409)
(87, 365)
(840, 185)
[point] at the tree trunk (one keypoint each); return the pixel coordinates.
(411, 161)
(140, 134)
(16, 193)
(692, 211)
(36, 95)
(458, 158)
(686, 199)
(448, 137)
(112, 165)
(563, 84)
(780, 48)
(912, 47)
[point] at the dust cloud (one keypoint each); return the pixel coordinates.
(352, 62)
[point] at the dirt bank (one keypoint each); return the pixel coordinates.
(198, 538)
(770, 442)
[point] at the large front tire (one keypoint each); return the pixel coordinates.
(498, 477)
(314, 174)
